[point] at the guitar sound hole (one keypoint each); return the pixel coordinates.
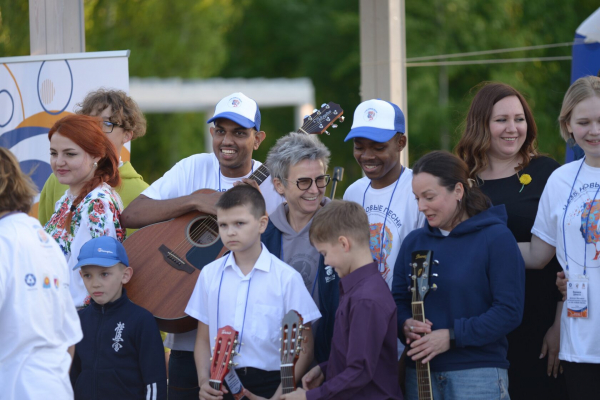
(203, 232)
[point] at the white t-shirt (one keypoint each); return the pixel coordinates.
(38, 321)
(578, 336)
(403, 217)
(201, 171)
(265, 295)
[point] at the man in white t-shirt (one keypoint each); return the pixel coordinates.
(236, 134)
(39, 325)
(386, 191)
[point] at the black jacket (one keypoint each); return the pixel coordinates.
(121, 355)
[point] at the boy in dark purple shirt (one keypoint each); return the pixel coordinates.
(363, 363)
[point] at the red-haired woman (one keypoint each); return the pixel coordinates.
(82, 157)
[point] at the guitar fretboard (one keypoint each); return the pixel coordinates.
(287, 378)
(423, 374)
(260, 174)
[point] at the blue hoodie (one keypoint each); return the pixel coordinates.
(481, 288)
(121, 355)
(329, 294)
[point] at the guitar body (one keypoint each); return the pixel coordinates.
(167, 258)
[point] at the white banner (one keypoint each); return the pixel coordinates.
(36, 91)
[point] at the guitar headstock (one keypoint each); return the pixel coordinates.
(291, 337)
(421, 272)
(222, 360)
(320, 120)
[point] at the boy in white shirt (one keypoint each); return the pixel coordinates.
(250, 290)
(386, 191)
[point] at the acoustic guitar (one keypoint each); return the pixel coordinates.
(291, 346)
(168, 256)
(222, 360)
(421, 267)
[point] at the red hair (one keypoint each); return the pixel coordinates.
(85, 131)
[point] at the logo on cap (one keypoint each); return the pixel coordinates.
(100, 250)
(30, 279)
(370, 114)
(234, 102)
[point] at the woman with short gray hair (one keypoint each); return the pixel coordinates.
(298, 165)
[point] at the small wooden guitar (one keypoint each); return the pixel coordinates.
(168, 256)
(291, 345)
(421, 267)
(222, 360)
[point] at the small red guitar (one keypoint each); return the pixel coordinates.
(222, 360)
(291, 341)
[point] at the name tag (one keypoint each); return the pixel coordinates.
(577, 297)
(234, 384)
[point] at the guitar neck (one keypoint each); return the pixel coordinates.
(423, 373)
(288, 383)
(260, 174)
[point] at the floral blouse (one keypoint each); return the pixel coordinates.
(96, 215)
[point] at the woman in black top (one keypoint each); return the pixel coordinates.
(499, 146)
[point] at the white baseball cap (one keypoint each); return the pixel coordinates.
(240, 109)
(377, 120)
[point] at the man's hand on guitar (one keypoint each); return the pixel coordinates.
(298, 394)
(248, 181)
(205, 201)
(430, 345)
(413, 329)
(208, 393)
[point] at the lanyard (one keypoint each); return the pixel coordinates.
(312, 292)
(251, 171)
(586, 223)
(382, 234)
(10, 213)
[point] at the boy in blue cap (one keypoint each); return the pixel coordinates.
(121, 355)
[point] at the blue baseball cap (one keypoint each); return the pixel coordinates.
(377, 120)
(240, 109)
(104, 251)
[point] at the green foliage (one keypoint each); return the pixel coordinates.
(320, 40)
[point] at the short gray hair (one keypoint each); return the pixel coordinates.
(293, 148)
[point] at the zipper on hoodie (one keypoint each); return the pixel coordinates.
(94, 383)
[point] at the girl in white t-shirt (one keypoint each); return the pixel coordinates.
(82, 157)
(568, 224)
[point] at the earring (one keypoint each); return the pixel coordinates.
(571, 141)
(95, 164)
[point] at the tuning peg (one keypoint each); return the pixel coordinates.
(435, 262)
(315, 110)
(211, 359)
(334, 126)
(280, 328)
(434, 275)
(342, 118)
(434, 287)
(327, 133)
(323, 105)
(306, 117)
(215, 338)
(409, 288)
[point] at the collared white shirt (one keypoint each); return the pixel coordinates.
(274, 288)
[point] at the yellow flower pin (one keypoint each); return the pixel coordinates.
(525, 179)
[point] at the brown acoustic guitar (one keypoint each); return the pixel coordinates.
(167, 257)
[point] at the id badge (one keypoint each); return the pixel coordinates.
(234, 384)
(577, 297)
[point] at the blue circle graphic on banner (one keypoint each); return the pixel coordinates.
(12, 112)
(40, 96)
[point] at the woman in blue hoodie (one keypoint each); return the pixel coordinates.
(480, 285)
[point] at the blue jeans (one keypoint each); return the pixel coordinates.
(466, 384)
